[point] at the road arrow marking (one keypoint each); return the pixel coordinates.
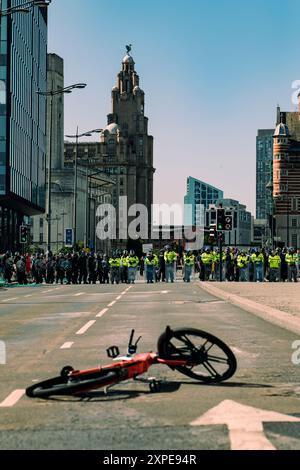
(245, 424)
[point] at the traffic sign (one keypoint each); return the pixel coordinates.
(69, 237)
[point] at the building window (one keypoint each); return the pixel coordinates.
(294, 204)
(41, 222)
(41, 238)
(295, 240)
(294, 223)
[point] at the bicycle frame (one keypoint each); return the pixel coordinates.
(132, 367)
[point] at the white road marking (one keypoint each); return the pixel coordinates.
(150, 293)
(28, 295)
(100, 314)
(67, 345)
(46, 291)
(101, 293)
(80, 293)
(245, 424)
(112, 303)
(8, 300)
(119, 297)
(86, 327)
(12, 399)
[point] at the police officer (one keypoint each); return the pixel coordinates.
(151, 262)
(132, 264)
(274, 261)
(124, 267)
(189, 263)
(258, 262)
(161, 267)
(115, 263)
(170, 259)
(105, 269)
(243, 265)
(207, 261)
(292, 261)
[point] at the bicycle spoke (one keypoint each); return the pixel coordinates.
(210, 369)
(220, 360)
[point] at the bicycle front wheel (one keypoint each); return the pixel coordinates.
(208, 358)
(68, 385)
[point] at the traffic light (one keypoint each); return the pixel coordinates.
(220, 219)
(228, 223)
(23, 234)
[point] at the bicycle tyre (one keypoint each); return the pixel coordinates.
(208, 373)
(62, 385)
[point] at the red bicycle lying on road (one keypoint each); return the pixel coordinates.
(194, 353)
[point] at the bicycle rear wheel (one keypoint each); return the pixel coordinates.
(65, 385)
(208, 358)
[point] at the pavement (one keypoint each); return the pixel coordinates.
(48, 327)
(278, 303)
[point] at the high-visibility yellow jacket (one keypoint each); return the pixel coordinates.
(274, 261)
(151, 261)
(115, 262)
(170, 257)
(291, 259)
(207, 258)
(243, 261)
(132, 261)
(217, 257)
(257, 259)
(189, 260)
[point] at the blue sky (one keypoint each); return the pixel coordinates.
(213, 73)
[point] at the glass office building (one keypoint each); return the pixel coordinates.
(199, 194)
(23, 55)
(264, 173)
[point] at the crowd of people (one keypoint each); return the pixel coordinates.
(254, 265)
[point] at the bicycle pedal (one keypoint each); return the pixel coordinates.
(113, 352)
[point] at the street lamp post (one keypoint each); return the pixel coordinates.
(78, 136)
(51, 93)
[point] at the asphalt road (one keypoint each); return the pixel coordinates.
(37, 322)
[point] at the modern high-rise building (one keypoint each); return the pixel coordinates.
(23, 52)
(199, 194)
(264, 173)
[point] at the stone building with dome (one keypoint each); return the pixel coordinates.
(126, 148)
(286, 178)
(124, 151)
